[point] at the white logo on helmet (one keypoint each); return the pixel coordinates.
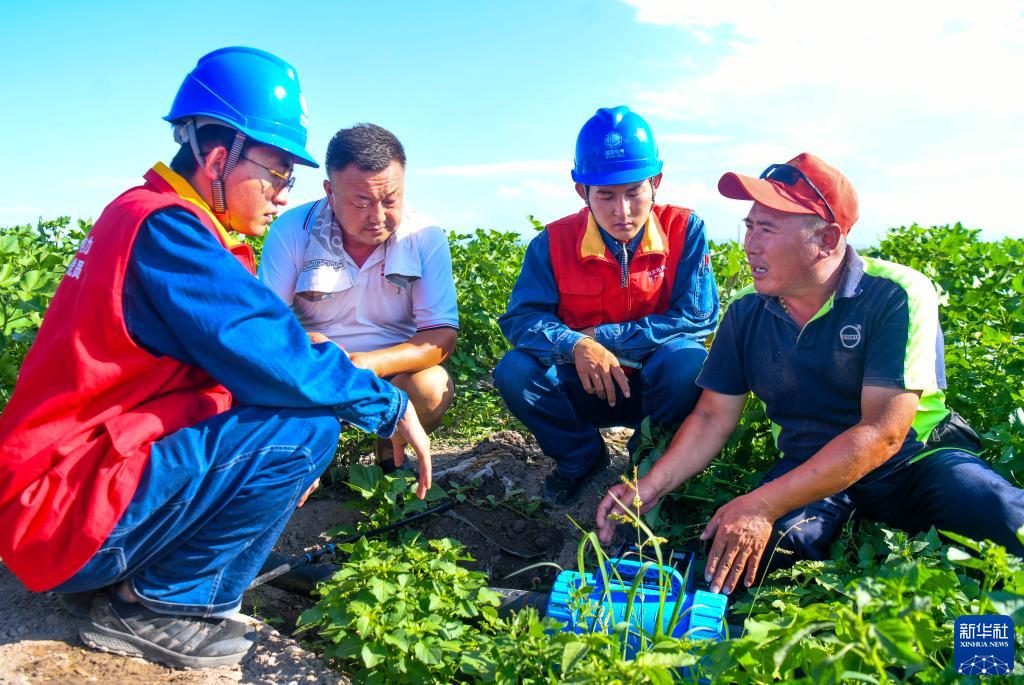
(849, 336)
(613, 139)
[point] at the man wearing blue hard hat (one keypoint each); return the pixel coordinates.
(610, 310)
(172, 413)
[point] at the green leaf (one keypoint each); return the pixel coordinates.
(571, 655)
(373, 654)
(364, 479)
(956, 554)
(427, 652)
(1008, 604)
(7, 275)
(32, 280)
(398, 638)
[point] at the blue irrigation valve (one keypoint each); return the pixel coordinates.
(700, 615)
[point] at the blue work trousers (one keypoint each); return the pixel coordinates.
(950, 489)
(212, 502)
(551, 401)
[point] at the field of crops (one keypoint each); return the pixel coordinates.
(881, 609)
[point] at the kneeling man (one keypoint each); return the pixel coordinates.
(359, 268)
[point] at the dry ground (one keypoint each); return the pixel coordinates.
(39, 644)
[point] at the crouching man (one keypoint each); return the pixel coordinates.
(172, 413)
(361, 269)
(608, 315)
(846, 353)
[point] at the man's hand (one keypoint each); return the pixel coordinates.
(742, 529)
(599, 370)
(619, 499)
(409, 431)
(363, 360)
(309, 491)
(315, 337)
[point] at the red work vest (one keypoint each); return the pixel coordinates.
(590, 290)
(89, 402)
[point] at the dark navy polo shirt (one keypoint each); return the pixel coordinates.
(880, 328)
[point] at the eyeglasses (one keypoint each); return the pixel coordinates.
(280, 181)
(787, 174)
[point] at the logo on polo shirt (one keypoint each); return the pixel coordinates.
(850, 336)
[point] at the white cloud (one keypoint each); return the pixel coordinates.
(702, 196)
(16, 215)
(874, 56)
(522, 167)
(691, 138)
(918, 102)
(534, 188)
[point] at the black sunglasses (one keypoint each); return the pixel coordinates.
(787, 174)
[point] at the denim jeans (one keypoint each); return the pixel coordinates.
(212, 502)
(949, 489)
(551, 402)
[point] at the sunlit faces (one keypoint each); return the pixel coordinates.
(781, 251)
(621, 209)
(254, 195)
(368, 205)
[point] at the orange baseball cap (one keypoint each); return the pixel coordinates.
(803, 185)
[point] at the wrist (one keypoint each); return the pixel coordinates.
(658, 480)
(767, 502)
(577, 342)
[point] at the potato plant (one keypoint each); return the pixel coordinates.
(880, 610)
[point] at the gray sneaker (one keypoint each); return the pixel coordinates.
(178, 641)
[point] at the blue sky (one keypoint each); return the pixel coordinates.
(919, 103)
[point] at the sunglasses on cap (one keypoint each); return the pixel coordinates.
(788, 175)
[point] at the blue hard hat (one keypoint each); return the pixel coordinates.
(615, 146)
(249, 90)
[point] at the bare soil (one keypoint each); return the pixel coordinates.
(39, 643)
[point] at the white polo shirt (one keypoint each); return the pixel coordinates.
(374, 312)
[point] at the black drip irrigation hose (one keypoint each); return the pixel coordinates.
(301, 574)
(288, 564)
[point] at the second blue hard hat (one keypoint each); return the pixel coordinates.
(615, 146)
(252, 91)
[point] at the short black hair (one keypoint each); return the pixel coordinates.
(368, 146)
(208, 137)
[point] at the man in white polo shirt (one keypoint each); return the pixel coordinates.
(360, 269)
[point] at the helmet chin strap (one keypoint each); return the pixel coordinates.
(234, 153)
